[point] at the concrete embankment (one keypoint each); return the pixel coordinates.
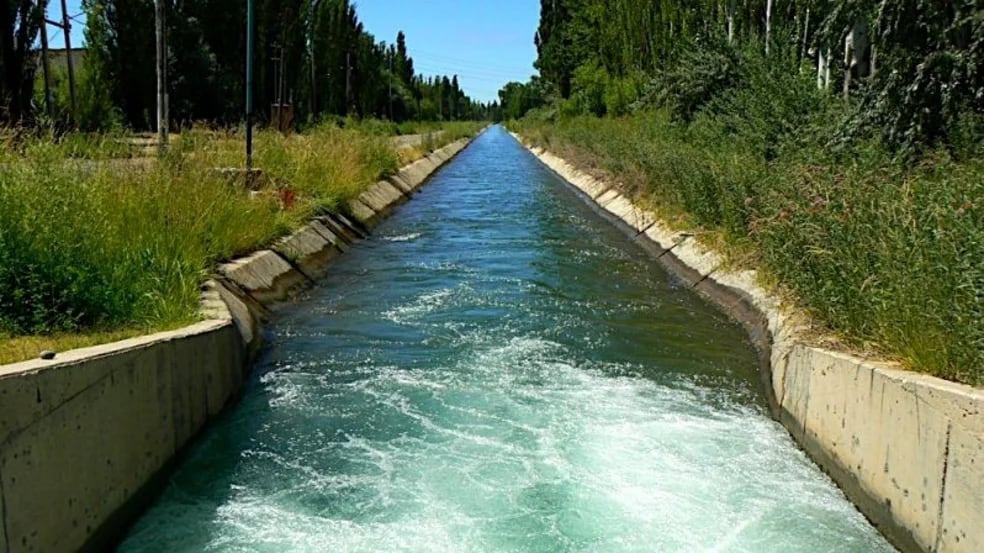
(908, 449)
(86, 439)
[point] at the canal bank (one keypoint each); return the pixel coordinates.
(498, 369)
(907, 448)
(86, 439)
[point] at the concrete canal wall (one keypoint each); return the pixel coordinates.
(87, 438)
(908, 449)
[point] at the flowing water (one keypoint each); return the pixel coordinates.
(499, 370)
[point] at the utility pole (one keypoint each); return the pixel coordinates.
(249, 89)
(48, 100)
(67, 27)
(162, 115)
(391, 88)
(348, 81)
(313, 103)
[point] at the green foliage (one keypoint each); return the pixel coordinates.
(19, 25)
(769, 106)
(622, 93)
(95, 111)
(98, 246)
(914, 71)
(931, 74)
(92, 241)
(332, 67)
(857, 185)
(516, 99)
(881, 252)
(589, 84)
(700, 76)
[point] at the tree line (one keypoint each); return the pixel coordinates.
(913, 68)
(313, 54)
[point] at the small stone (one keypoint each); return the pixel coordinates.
(47, 354)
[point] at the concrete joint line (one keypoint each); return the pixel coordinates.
(806, 412)
(236, 290)
(946, 469)
(703, 278)
(600, 194)
(3, 509)
(333, 240)
(645, 229)
(108, 376)
(295, 266)
(670, 249)
(782, 385)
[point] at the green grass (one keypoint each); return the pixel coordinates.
(888, 255)
(95, 244)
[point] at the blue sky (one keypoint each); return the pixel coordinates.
(485, 42)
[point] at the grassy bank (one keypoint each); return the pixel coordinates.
(885, 253)
(94, 247)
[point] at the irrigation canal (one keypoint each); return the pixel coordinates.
(499, 370)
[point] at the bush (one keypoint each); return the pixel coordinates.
(697, 79)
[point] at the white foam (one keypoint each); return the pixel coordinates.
(402, 237)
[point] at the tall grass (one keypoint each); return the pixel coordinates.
(113, 244)
(93, 242)
(889, 255)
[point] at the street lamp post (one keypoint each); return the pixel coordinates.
(249, 89)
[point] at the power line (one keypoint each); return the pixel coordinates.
(442, 69)
(444, 57)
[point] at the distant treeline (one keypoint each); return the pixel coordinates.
(914, 68)
(314, 54)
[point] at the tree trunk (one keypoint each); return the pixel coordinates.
(805, 41)
(823, 67)
(768, 25)
(731, 21)
(19, 25)
(856, 63)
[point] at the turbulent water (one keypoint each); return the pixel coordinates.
(499, 370)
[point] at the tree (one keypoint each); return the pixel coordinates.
(20, 21)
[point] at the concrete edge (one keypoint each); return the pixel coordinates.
(906, 448)
(376, 202)
(233, 305)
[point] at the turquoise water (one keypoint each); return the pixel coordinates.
(498, 370)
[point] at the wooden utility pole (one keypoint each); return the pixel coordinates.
(45, 62)
(162, 115)
(67, 27)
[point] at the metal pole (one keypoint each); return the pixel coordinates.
(314, 79)
(249, 88)
(67, 26)
(48, 100)
(348, 81)
(162, 116)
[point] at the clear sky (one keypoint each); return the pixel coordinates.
(487, 43)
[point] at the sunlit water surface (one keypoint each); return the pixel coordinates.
(499, 370)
